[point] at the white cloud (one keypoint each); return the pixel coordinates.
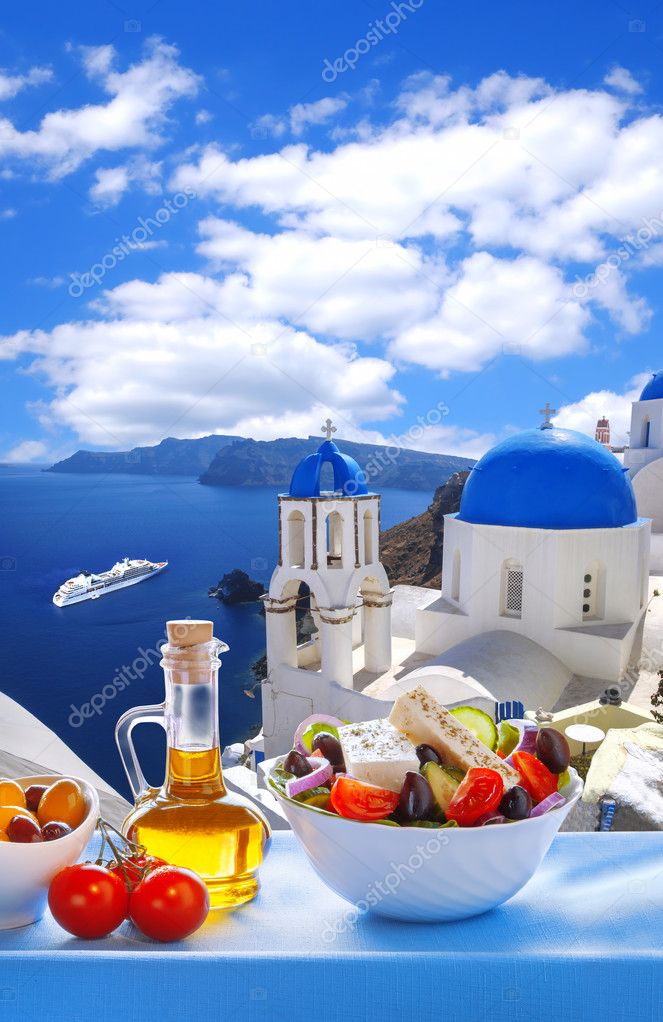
(582, 415)
(8, 213)
(621, 79)
(12, 84)
(269, 124)
(303, 114)
(299, 117)
(49, 282)
(496, 305)
(133, 117)
(446, 439)
(129, 380)
(337, 287)
(27, 450)
(203, 117)
(111, 183)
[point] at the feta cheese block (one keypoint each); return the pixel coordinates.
(422, 719)
(375, 752)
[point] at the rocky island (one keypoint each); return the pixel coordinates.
(236, 587)
(223, 460)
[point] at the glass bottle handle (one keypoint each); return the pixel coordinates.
(130, 762)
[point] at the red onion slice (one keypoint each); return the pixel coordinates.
(320, 774)
(316, 718)
(527, 742)
(551, 802)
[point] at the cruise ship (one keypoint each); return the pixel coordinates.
(89, 586)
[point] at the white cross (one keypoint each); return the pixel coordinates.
(547, 412)
(328, 429)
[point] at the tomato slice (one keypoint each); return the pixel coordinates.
(479, 792)
(357, 800)
(535, 777)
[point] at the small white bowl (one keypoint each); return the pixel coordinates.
(26, 870)
(425, 875)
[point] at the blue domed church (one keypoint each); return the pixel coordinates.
(644, 460)
(548, 545)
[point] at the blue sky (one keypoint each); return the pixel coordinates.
(375, 211)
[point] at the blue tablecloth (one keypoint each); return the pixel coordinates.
(583, 940)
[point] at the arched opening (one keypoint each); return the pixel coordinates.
(334, 539)
(512, 589)
(368, 537)
(455, 576)
(303, 631)
(296, 540)
(593, 592)
(646, 429)
(326, 478)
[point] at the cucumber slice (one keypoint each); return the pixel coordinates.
(318, 797)
(442, 784)
(479, 723)
(279, 776)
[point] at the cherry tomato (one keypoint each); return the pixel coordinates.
(479, 792)
(535, 777)
(88, 900)
(169, 903)
(357, 800)
(136, 867)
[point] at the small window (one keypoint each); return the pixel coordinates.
(368, 537)
(512, 594)
(646, 429)
(593, 593)
(334, 540)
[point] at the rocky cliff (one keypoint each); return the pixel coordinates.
(412, 551)
(271, 463)
(170, 457)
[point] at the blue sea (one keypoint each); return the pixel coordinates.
(56, 660)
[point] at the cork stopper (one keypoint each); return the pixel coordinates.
(189, 633)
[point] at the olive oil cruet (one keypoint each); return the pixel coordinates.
(192, 820)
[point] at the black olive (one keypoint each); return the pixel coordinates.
(297, 764)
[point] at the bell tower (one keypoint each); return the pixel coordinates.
(329, 540)
(602, 434)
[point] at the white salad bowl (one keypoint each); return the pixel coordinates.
(419, 874)
(26, 870)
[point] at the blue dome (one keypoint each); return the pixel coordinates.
(654, 389)
(349, 480)
(549, 479)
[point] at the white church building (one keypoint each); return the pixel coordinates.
(544, 580)
(644, 461)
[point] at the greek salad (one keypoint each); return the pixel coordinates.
(425, 766)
